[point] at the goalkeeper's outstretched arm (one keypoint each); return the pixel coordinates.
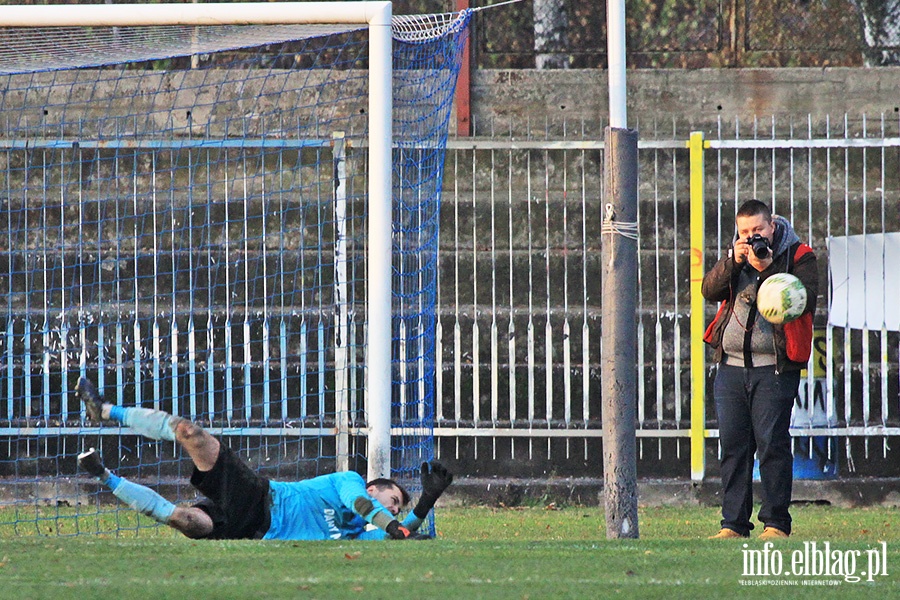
(435, 480)
(378, 503)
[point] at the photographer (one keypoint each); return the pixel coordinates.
(758, 368)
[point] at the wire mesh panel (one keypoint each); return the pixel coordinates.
(779, 26)
(554, 34)
(774, 25)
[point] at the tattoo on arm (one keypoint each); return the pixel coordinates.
(364, 506)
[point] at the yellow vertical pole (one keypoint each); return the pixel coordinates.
(698, 354)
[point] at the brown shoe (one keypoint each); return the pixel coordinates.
(772, 533)
(726, 534)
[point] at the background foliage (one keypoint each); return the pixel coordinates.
(696, 34)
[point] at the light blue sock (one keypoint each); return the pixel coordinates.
(154, 424)
(142, 499)
(112, 481)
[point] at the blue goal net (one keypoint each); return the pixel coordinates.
(184, 222)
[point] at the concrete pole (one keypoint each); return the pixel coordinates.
(618, 349)
(618, 341)
(615, 44)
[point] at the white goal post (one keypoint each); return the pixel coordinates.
(376, 15)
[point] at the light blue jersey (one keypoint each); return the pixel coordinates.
(320, 508)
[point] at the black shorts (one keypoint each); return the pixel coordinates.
(237, 499)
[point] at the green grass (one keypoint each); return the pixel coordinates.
(482, 553)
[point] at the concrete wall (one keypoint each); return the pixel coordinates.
(515, 99)
(692, 99)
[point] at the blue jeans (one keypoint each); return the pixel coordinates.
(754, 411)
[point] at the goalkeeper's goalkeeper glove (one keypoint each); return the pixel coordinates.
(399, 532)
(435, 479)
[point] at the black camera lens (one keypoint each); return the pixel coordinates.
(760, 245)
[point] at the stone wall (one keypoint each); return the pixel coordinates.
(691, 99)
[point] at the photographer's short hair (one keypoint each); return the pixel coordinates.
(752, 208)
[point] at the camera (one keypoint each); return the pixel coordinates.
(760, 245)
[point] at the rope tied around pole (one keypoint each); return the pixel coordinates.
(627, 229)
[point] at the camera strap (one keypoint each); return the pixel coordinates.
(748, 335)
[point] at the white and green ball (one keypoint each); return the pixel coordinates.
(781, 298)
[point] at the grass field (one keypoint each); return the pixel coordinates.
(481, 552)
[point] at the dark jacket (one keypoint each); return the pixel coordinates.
(793, 340)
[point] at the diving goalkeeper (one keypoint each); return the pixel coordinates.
(240, 504)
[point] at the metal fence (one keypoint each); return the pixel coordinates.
(518, 340)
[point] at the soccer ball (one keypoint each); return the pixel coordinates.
(781, 298)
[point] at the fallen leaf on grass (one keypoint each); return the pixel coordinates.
(350, 556)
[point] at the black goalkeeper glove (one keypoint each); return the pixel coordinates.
(435, 479)
(399, 532)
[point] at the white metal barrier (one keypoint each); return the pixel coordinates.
(518, 353)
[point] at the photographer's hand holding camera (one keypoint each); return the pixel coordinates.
(754, 243)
